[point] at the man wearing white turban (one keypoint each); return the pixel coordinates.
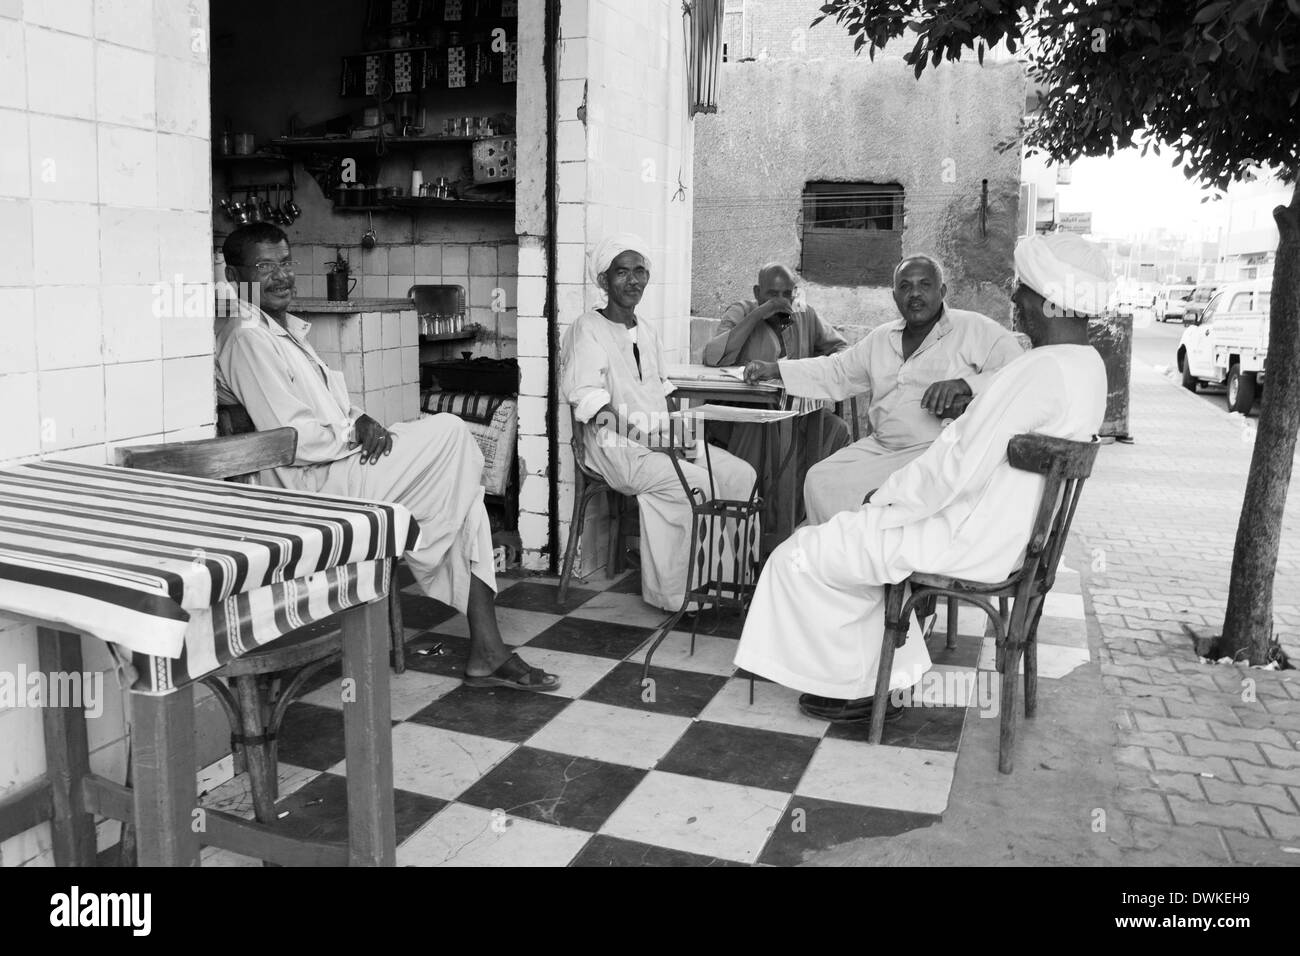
(959, 509)
(612, 374)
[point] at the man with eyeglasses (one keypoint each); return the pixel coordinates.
(432, 466)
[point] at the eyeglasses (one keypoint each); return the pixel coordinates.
(265, 267)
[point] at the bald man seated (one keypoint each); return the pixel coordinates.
(767, 328)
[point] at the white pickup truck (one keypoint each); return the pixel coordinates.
(1229, 344)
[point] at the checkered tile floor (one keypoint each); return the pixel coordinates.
(596, 775)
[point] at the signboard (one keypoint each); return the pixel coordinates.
(1080, 222)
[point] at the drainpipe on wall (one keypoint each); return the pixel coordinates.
(551, 39)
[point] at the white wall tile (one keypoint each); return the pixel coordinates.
(410, 364)
(17, 331)
(392, 330)
(63, 159)
(96, 454)
(410, 320)
(401, 261)
(124, 86)
(189, 393)
(14, 167)
(130, 248)
(182, 96)
(128, 22)
(185, 246)
(186, 333)
(60, 74)
(16, 254)
(20, 432)
(174, 26)
(372, 373)
(13, 65)
(392, 367)
(428, 261)
(66, 238)
(68, 332)
(132, 329)
(73, 16)
(128, 167)
(481, 289)
(134, 399)
(72, 407)
(455, 259)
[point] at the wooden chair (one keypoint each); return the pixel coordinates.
(1065, 465)
(587, 484)
(235, 420)
(244, 686)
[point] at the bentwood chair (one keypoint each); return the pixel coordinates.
(1065, 465)
(589, 484)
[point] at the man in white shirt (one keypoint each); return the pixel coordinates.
(432, 466)
(916, 372)
(959, 509)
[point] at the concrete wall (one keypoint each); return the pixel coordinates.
(811, 111)
(104, 191)
(620, 163)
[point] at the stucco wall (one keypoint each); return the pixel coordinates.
(789, 120)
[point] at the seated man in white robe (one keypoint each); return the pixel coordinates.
(612, 373)
(960, 509)
(915, 373)
(432, 466)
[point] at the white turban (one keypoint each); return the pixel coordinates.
(603, 253)
(1067, 270)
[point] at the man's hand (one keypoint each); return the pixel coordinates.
(942, 396)
(762, 371)
(777, 306)
(374, 438)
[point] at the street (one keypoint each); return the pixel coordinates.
(1156, 344)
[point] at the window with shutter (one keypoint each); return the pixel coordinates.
(852, 232)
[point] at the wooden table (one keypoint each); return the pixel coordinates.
(179, 575)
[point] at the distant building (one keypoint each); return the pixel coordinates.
(1249, 232)
(839, 165)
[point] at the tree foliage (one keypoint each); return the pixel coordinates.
(1217, 82)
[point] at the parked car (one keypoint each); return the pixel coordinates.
(1193, 306)
(1227, 343)
(1171, 302)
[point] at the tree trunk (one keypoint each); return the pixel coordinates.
(1248, 619)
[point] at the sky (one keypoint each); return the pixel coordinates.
(1129, 194)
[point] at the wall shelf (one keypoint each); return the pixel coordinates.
(424, 202)
(363, 142)
(468, 332)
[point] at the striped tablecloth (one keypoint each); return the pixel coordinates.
(185, 574)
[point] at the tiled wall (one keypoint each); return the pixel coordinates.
(104, 192)
(626, 167)
(379, 355)
(389, 271)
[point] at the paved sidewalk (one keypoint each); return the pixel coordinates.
(1143, 756)
(1206, 756)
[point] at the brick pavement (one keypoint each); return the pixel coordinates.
(1205, 756)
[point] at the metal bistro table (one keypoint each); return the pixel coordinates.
(180, 576)
(704, 383)
(709, 518)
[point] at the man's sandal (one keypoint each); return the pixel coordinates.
(514, 673)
